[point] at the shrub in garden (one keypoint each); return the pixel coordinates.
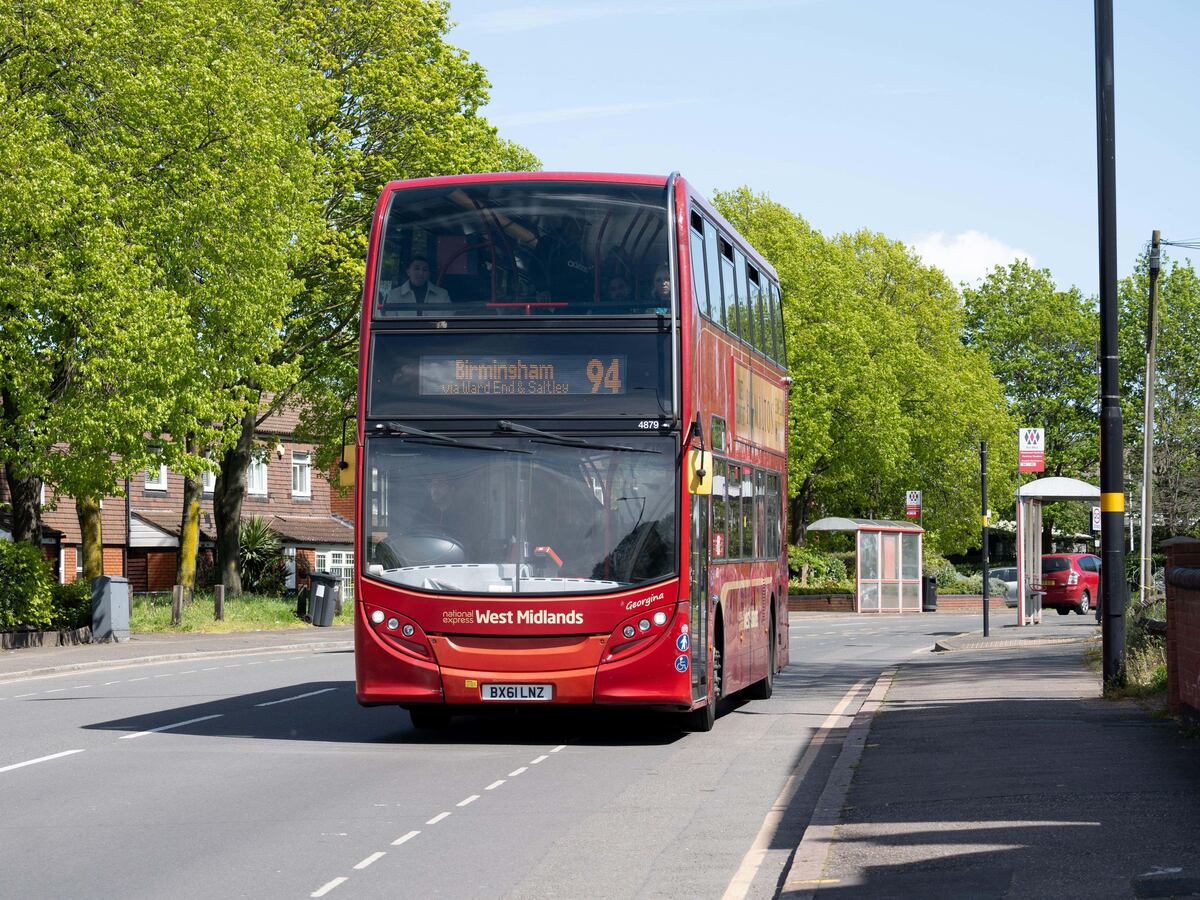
(25, 587)
(72, 604)
(260, 556)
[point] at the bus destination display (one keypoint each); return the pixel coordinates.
(532, 374)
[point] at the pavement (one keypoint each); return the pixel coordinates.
(994, 769)
(990, 768)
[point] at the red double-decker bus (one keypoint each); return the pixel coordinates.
(571, 449)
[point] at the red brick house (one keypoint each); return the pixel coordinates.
(141, 530)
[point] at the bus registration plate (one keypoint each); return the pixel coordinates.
(527, 692)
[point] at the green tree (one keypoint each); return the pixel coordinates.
(1043, 345)
(394, 100)
(1176, 393)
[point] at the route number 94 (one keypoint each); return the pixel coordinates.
(605, 375)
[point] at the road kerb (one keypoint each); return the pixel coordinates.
(803, 876)
(170, 657)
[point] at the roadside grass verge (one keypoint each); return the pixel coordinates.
(151, 613)
(1145, 668)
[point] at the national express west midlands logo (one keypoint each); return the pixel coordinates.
(511, 617)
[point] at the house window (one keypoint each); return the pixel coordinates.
(256, 478)
(208, 482)
(301, 474)
(156, 480)
(341, 564)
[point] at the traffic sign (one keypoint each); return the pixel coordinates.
(1031, 450)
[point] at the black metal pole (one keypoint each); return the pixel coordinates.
(1112, 489)
(984, 512)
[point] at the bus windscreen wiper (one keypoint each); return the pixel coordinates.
(549, 437)
(398, 428)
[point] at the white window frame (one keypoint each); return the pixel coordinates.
(208, 482)
(302, 466)
(159, 482)
(256, 486)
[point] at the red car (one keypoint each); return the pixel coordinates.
(1071, 582)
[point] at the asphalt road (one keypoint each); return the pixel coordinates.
(259, 776)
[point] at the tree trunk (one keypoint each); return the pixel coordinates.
(91, 536)
(189, 528)
(25, 492)
(798, 520)
(227, 505)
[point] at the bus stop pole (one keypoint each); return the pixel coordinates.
(984, 516)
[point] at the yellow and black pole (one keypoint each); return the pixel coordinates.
(1112, 491)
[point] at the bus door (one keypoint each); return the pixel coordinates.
(698, 591)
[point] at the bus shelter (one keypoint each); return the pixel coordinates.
(887, 562)
(1030, 498)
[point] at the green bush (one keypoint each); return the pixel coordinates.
(824, 569)
(260, 555)
(72, 604)
(25, 587)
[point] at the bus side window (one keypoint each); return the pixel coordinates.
(780, 342)
(699, 287)
(747, 513)
(729, 315)
(773, 518)
(772, 319)
(761, 541)
(720, 519)
(745, 320)
(733, 490)
(761, 340)
(712, 260)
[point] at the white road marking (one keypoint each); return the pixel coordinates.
(210, 669)
(130, 737)
(404, 837)
(165, 675)
(143, 678)
(437, 818)
(377, 855)
(743, 878)
(518, 772)
(107, 683)
(494, 785)
(54, 691)
(559, 747)
(80, 687)
(328, 886)
(40, 759)
(232, 666)
(542, 758)
(256, 663)
(297, 697)
(469, 800)
(30, 694)
(188, 672)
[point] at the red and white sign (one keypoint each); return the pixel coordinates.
(1031, 451)
(912, 504)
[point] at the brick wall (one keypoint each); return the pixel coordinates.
(821, 603)
(114, 560)
(1183, 626)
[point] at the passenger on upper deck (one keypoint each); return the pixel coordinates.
(617, 291)
(417, 291)
(660, 289)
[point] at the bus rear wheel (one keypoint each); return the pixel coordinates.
(764, 687)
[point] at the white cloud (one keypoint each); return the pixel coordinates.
(574, 113)
(968, 256)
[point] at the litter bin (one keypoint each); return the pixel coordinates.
(110, 608)
(928, 593)
(322, 598)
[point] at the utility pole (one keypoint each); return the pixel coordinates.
(1148, 423)
(1112, 494)
(984, 511)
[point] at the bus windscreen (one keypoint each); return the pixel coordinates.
(513, 248)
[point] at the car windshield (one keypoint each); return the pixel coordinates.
(1055, 564)
(524, 248)
(520, 515)
(1004, 574)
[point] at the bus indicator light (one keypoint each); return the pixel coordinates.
(629, 631)
(644, 625)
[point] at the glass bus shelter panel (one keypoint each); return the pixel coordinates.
(910, 572)
(523, 248)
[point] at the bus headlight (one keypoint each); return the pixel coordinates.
(377, 617)
(660, 618)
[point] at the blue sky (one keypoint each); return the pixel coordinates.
(966, 129)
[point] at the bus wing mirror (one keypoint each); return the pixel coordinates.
(699, 472)
(346, 466)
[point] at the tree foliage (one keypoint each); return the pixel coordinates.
(1176, 391)
(885, 397)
